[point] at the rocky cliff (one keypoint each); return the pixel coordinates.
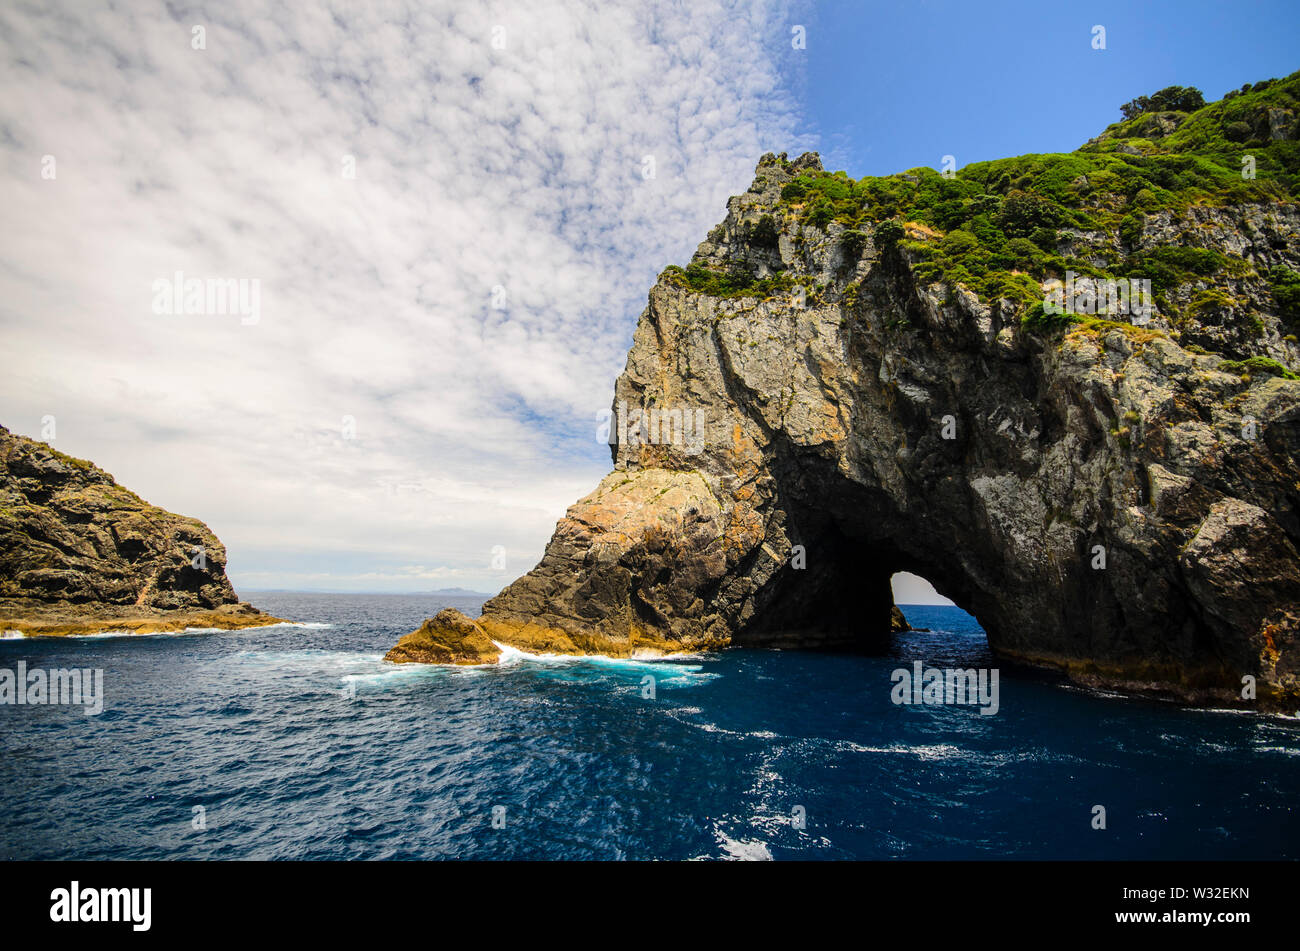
(80, 553)
(853, 378)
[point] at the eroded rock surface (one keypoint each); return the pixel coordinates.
(80, 553)
(449, 637)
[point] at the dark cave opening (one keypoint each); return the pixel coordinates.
(859, 542)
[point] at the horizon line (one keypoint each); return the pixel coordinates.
(463, 592)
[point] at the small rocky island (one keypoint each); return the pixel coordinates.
(853, 378)
(80, 554)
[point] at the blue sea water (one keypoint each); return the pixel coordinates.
(300, 742)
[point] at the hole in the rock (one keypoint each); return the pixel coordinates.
(941, 631)
(921, 602)
(913, 591)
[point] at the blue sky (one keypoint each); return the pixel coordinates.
(468, 294)
(892, 86)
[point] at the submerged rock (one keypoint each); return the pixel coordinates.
(1100, 498)
(81, 554)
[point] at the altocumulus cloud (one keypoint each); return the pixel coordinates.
(466, 296)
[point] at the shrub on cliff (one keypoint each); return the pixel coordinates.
(1036, 317)
(853, 241)
(1169, 99)
(1286, 292)
(734, 282)
(889, 233)
(1023, 212)
(1258, 365)
(764, 233)
(1021, 254)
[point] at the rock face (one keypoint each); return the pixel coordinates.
(80, 553)
(1101, 498)
(449, 637)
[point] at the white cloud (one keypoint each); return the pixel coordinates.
(913, 589)
(475, 167)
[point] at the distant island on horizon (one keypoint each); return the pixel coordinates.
(439, 593)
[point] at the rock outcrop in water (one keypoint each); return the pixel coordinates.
(80, 554)
(857, 378)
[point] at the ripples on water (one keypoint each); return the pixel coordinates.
(300, 742)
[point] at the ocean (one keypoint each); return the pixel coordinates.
(300, 742)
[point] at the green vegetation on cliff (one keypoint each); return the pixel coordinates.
(1107, 210)
(1155, 161)
(732, 283)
